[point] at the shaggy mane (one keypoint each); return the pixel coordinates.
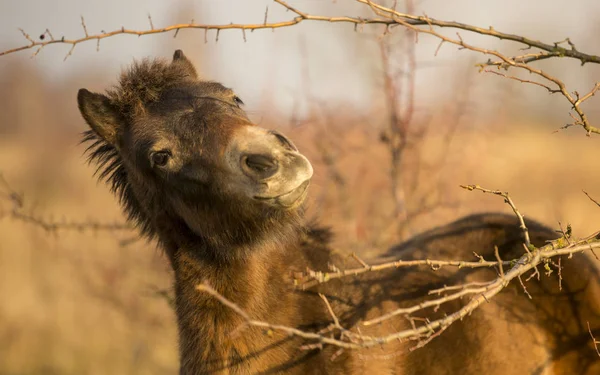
(138, 86)
(144, 82)
(109, 168)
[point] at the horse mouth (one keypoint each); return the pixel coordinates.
(289, 200)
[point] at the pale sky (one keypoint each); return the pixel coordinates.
(340, 62)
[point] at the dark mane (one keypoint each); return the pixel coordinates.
(138, 86)
(109, 168)
(143, 83)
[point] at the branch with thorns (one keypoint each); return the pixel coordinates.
(592, 199)
(508, 201)
(311, 278)
(389, 18)
(479, 292)
(17, 212)
(503, 62)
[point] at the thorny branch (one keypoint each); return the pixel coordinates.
(312, 278)
(356, 340)
(504, 62)
(592, 199)
(508, 201)
(389, 18)
(478, 292)
(17, 212)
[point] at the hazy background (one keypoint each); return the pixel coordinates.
(93, 302)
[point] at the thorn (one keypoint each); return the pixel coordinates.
(84, 27)
(150, 20)
(49, 34)
(70, 52)
(266, 14)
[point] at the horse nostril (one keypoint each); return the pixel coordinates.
(284, 141)
(261, 166)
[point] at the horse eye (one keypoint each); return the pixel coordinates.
(160, 158)
(238, 101)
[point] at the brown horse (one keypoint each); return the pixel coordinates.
(224, 199)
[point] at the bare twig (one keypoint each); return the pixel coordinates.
(273, 327)
(84, 27)
(351, 340)
(524, 288)
(508, 201)
(500, 267)
(431, 303)
(359, 260)
(457, 287)
(559, 266)
(231, 26)
(514, 78)
(596, 342)
(8, 194)
(390, 17)
(49, 225)
(312, 278)
(550, 50)
(592, 199)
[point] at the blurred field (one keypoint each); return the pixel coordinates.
(77, 303)
(87, 303)
(97, 302)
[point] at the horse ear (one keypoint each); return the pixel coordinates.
(182, 60)
(102, 117)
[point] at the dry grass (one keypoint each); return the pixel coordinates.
(77, 303)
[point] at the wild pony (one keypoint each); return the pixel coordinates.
(224, 199)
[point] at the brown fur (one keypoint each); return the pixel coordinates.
(248, 252)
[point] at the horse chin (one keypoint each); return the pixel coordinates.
(289, 200)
